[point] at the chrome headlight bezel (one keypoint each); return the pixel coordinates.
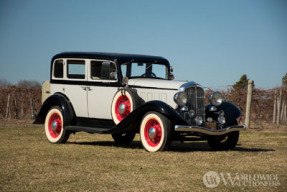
(180, 98)
(215, 98)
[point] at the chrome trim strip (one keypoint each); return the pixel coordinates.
(208, 131)
(188, 84)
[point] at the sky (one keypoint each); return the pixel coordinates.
(211, 42)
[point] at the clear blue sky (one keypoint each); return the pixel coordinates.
(211, 42)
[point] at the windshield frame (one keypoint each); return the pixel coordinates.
(148, 69)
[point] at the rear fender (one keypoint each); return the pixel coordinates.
(64, 104)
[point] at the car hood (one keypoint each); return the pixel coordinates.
(156, 83)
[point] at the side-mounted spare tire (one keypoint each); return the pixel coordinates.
(124, 102)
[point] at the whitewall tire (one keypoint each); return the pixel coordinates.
(155, 132)
(123, 104)
(54, 126)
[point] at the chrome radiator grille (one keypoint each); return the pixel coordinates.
(195, 101)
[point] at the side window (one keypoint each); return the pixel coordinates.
(59, 69)
(103, 70)
(76, 69)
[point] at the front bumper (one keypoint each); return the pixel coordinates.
(207, 131)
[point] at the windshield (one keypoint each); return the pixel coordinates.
(144, 70)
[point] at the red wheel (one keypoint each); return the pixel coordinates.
(124, 103)
(123, 107)
(54, 126)
(155, 132)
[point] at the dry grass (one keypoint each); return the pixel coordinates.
(94, 163)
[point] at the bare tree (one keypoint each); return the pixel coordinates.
(4, 83)
(29, 84)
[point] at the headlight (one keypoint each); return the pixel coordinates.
(198, 120)
(180, 98)
(215, 98)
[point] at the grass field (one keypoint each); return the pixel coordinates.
(94, 163)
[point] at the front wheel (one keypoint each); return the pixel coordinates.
(224, 142)
(54, 126)
(155, 132)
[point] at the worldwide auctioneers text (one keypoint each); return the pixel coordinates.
(212, 179)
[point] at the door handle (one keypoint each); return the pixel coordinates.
(84, 88)
(89, 89)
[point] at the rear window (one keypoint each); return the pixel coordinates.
(76, 69)
(58, 69)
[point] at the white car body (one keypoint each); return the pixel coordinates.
(125, 94)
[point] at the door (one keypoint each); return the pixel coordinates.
(103, 75)
(75, 87)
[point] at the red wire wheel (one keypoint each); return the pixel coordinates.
(123, 107)
(123, 104)
(54, 126)
(155, 132)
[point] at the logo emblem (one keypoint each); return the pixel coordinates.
(211, 179)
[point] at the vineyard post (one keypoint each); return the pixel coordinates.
(248, 103)
(275, 107)
(22, 103)
(279, 107)
(8, 106)
(32, 106)
(284, 113)
(282, 110)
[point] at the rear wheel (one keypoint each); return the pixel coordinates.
(155, 132)
(224, 142)
(54, 126)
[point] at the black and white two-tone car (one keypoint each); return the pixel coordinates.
(126, 94)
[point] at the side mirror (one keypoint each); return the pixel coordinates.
(171, 77)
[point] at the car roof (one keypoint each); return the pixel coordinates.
(120, 57)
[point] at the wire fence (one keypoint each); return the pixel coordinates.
(22, 103)
(19, 103)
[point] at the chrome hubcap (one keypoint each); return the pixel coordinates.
(151, 133)
(54, 125)
(122, 108)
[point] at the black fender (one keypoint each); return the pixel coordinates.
(133, 120)
(231, 112)
(63, 103)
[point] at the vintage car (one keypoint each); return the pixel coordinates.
(125, 94)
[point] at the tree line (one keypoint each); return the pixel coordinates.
(19, 101)
(23, 100)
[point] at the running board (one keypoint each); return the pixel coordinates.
(89, 129)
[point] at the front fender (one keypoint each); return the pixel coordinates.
(231, 112)
(132, 121)
(63, 103)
